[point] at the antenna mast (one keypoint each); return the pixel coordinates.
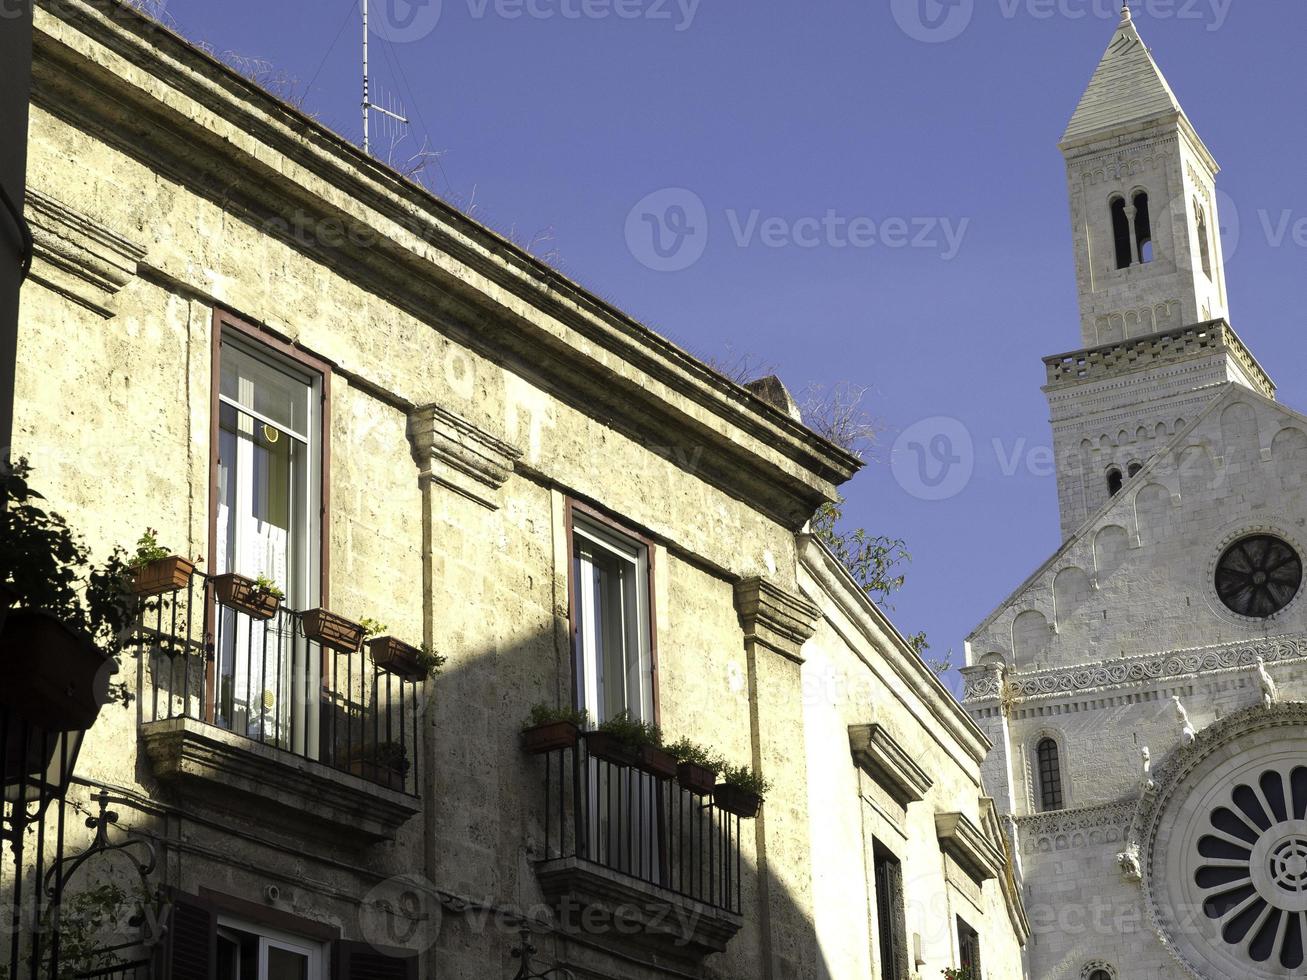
(368, 105)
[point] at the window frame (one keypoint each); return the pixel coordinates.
(274, 348)
(968, 936)
(1041, 794)
(894, 966)
(577, 509)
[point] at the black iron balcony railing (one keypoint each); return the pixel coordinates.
(642, 826)
(264, 679)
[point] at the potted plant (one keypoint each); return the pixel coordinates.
(959, 973)
(740, 791)
(155, 569)
(70, 619)
(627, 742)
(258, 598)
(399, 658)
(550, 728)
(696, 767)
(333, 631)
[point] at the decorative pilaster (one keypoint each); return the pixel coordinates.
(771, 617)
(456, 454)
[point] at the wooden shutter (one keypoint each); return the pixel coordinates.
(192, 943)
(362, 961)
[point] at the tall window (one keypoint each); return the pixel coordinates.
(1143, 228)
(615, 670)
(1114, 481)
(891, 930)
(1050, 775)
(1121, 234)
(1204, 249)
(267, 522)
(969, 950)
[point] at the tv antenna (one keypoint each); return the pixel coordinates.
(369, 106)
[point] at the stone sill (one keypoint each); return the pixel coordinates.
(205, 761)
(598, 899)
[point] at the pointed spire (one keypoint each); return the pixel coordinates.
(1127, 87)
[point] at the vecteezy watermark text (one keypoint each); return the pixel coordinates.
(938, 21)
(668, 230)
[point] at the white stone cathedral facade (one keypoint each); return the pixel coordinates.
(1145, 689)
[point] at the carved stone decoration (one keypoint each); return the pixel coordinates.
(1129, 863)
(1061, 830)
(983, 682)
(1270, 693)
(1146, 783)
(1130, 670)
(1187, 733)
(776, 619)
(456, 454)
(76, 256)
(1241, 764)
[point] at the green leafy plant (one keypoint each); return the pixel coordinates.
(83, 922)
(148, 549)
(548, 714)
(430, 661)
(742, 777)
(959, 973)
(268, 587)
(45, 565)
(873, 560)
(372, 627)
(683, 750)
(635, 733)
(393, 756)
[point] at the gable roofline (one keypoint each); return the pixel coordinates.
(1233, 390)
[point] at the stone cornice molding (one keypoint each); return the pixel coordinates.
(949, 721)
(456, 454)
(968, 846)
(152, 95)
(77, 257)
(981, 686)
(882, 758)
(778, 620)
(1060, 830)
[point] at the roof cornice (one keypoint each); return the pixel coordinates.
(196, 118)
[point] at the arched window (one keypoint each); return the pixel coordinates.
(1134, 468)
(1114, 481)
(1143, 227)
(1204, 248)
(1121, 234)
(1050, 775)
(1100, 975)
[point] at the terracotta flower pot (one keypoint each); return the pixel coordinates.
(49, 674)
(241, 593)
(333, 631)
(738, 801)
(162, 575)
(657, 762)
(397, 657)
(696, 778)
(550, 737)
(601, 745)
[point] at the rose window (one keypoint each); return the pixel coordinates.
(1251, 868)
(1258, 576)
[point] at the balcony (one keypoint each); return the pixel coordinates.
(638, 851)
(241, 708)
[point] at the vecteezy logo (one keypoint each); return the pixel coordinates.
(933, 21)
(401, 21)
(667, 231)
(934, 459)
(402, 913)
(1227, 212)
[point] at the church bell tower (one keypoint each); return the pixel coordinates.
(1157, 344)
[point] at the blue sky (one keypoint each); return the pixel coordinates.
(863, 192)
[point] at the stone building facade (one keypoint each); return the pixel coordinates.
(1143, 688)
(245, 334)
